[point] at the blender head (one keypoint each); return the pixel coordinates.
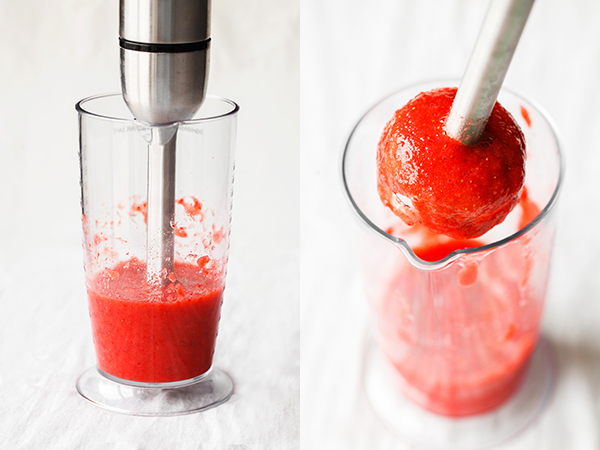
(164, 58)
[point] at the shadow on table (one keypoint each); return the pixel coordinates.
(581, 357)
(574, 362)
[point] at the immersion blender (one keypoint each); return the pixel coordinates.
(484, 75)
(164, 68)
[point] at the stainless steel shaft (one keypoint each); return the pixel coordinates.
(160, 241)
(489, 62)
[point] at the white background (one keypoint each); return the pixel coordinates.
(52, 54)
(355, 52)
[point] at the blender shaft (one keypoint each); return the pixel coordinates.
(160, 239)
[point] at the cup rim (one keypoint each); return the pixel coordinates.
(404, 246)
(79, 106)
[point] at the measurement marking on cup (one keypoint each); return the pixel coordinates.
(124, 129)
(193, 130)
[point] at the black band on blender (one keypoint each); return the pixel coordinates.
(164, 48)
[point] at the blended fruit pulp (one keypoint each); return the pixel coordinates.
(425, 176)
(154, 334)
(460, 337)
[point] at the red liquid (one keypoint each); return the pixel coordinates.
(154, 335)
(460, 339)
(436, 252)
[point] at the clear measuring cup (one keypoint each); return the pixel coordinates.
(456, 327)
(155, 338)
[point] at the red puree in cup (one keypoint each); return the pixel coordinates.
(464, 356)
(427, 177)
(152, 333)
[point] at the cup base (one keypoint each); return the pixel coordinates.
(428, 430)
(211, 390)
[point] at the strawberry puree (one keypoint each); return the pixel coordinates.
(461, 337)
(154, 334)
(440, 251)
(464, 354)
(425, 176)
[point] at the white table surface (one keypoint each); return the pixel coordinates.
(354, 53)
(52, 54)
